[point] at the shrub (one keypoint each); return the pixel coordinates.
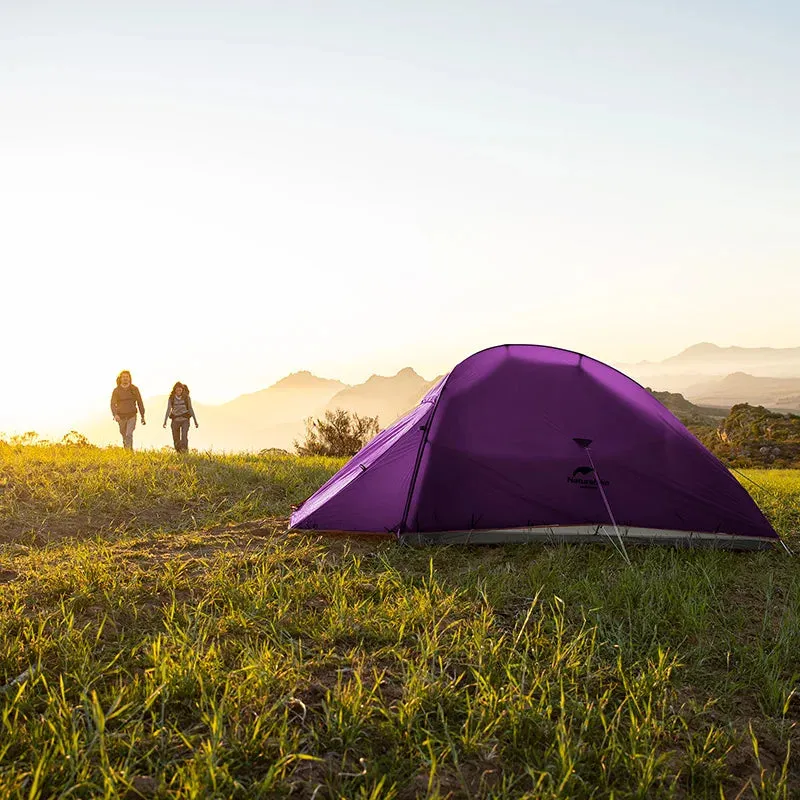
(339, 434)
(76, 439)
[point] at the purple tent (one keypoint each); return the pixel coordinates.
(534, 443)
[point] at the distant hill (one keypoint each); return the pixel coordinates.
(740, 387)
(706, 363)
(293, 397)
(386, 398)
(688, 413)
(707, 352)
(306, 381)
(755, 436)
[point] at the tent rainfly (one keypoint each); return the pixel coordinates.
(532, 443)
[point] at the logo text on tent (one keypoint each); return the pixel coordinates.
(580, 477)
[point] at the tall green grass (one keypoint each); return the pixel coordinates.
(219, 656)
(47, 492)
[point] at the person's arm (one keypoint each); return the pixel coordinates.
(190, 408)
(169, 408)
(140, 403)
(114, 405)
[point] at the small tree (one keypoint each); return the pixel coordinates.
(75, 439)
(339, 434)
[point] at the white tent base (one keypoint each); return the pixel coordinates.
(555, 534)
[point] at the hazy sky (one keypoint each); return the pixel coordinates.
(225, 192)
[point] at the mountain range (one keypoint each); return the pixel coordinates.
(275, 417)
(740, 387)
(699, 371)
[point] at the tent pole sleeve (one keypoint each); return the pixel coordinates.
(404, 521)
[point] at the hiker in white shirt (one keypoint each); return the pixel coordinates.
(180, 411)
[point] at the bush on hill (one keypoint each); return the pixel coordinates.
(339, 435)
(755, 436)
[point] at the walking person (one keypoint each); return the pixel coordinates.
(125, 399)
(180, 411)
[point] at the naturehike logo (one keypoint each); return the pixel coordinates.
(580, 478)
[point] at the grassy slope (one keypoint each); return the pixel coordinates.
(181, 644)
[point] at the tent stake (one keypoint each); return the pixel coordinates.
(608, 505)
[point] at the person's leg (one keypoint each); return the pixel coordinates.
(123, 427)
(185, 435)
(130, 427)
(176, 434)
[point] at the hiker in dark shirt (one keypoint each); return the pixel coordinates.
(180, 411)
(124, 401)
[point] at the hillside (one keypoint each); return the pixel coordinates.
(740, 387)
(691, 415)
(384, 397)
(754, 436)
(164, 637)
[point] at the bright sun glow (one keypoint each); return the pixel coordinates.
(232, 197)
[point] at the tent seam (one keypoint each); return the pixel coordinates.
(404, 520)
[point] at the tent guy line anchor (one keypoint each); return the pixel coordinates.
(584, 443)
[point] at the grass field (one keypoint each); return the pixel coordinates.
(161, 635)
